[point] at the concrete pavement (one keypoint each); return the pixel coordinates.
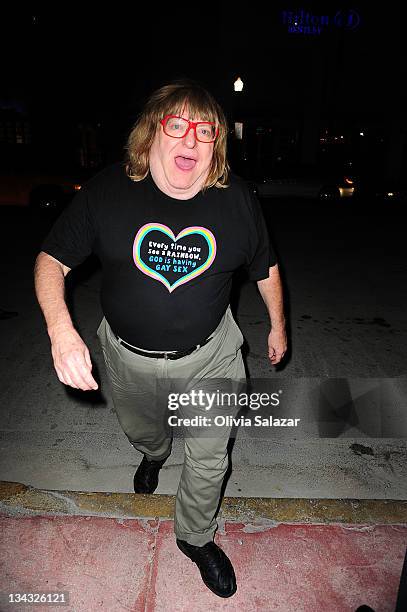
(342, 324)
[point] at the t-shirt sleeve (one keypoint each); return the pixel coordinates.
(72, 237)
(262, 255)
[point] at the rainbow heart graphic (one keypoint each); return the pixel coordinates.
(185, 276)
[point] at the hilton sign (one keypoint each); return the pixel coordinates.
(302, 21)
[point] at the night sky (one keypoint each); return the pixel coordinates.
(100, 66)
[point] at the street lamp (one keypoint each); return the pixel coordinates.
(238, 87)
(238, 84)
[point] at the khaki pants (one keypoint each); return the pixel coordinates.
(140, 389)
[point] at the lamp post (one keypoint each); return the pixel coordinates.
(239, 142)
(238, 124)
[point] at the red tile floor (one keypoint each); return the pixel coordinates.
(134, 565)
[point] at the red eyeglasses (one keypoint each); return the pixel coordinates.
(178, 127)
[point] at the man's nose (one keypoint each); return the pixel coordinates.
(190, 137)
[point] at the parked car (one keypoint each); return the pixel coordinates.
(52, 196)
(372, 189)
(309, 182)
(41, 191)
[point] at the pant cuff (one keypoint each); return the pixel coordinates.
(149, 457)
(196, 539)
(159, 458)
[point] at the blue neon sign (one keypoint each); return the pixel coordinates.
(302, 21)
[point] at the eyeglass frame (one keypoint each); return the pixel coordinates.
(192, 125)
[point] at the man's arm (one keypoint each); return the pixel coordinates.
(70, 354)
(272, 293)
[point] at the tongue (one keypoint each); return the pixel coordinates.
(184, 163)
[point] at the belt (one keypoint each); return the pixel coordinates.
(161, 354)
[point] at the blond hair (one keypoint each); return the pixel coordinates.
(174, 99)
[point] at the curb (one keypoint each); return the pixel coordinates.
(19, 499)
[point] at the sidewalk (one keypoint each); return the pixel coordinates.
(117, 552)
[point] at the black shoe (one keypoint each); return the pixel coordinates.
(215, 567)
(146, 477)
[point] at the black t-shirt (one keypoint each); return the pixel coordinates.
(167, 264)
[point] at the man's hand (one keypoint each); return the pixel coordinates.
(277, 342)
(272, 293)
(72, 359)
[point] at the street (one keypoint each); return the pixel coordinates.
(344, 271)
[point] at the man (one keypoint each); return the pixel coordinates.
(170, 229)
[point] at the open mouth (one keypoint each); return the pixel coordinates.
(185, 163)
